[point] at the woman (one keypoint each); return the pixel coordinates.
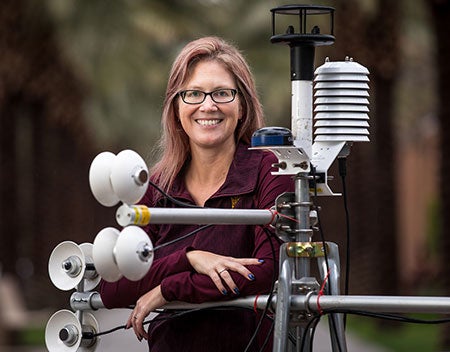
(210, 112)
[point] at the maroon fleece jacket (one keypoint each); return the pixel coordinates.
(249, 185)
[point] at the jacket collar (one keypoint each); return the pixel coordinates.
(241, 179)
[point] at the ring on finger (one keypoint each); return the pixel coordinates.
(221, 271)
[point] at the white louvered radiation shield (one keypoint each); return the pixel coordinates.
(341, 92)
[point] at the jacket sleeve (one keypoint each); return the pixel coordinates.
(198, 288)
(124, 292)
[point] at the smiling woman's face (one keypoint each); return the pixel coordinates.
(210, 124)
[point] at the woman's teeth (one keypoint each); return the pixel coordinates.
(208, 122)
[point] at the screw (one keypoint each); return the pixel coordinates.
(303, 165)
(281, 165)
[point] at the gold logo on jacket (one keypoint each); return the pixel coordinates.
(234, 201)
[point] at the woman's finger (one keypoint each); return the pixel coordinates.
(241, 269)
(134, 326)
(139, 327)
(144, 306)
(225, 276)
(217, 280)
(136, 321)
(129, 321)
(249, 261)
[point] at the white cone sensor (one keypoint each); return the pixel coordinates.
(100, 179)
(129, 176)
(103, 254)
(134, 253)
(63, 332)
(91, 277)
(66, 265)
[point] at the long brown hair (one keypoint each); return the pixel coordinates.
(174, 142)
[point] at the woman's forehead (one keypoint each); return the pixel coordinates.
(209, 72)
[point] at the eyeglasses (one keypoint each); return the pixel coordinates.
(193, 96)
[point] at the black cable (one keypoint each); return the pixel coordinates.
(383, 316)
(319, 224)
(311, 324)
(269, 299)
(269, 333)
(192, 233)
(343, 173)
(182, 204)
(386, 316)
(325, 252)
(313, 332)
(173, 200)
(92, 335)
(146, 322)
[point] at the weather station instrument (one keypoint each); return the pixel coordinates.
(329, 113)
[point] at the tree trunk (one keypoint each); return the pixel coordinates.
(440, 11)
(8, 203)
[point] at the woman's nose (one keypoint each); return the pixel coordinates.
(208, 104)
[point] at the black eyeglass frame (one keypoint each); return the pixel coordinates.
(233, 91)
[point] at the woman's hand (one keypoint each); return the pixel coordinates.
(217, 267)
(146, 304)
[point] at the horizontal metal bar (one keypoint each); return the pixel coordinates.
(312, 303)
(380, 304)
(86, 301)
(142, 215)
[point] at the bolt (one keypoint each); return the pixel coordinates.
(303, 165)
(281, 165)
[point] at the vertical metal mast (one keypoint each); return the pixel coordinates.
(302, 42)
(302, 39)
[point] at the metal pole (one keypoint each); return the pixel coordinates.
(382, 304)
(142, 215)
(303, 228)
(311, 303)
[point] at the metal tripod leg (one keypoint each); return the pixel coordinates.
(336, 321)
(283, 308)
(285, 319)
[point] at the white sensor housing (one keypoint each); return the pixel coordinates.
(341, 102)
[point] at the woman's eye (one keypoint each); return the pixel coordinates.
(193, 93)
(222, 93)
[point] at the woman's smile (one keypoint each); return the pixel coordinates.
(208, 122)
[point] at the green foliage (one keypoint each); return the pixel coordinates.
(404, 337)
(123, 51)
(32, 337)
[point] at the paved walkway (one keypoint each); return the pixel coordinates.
(322, 342)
